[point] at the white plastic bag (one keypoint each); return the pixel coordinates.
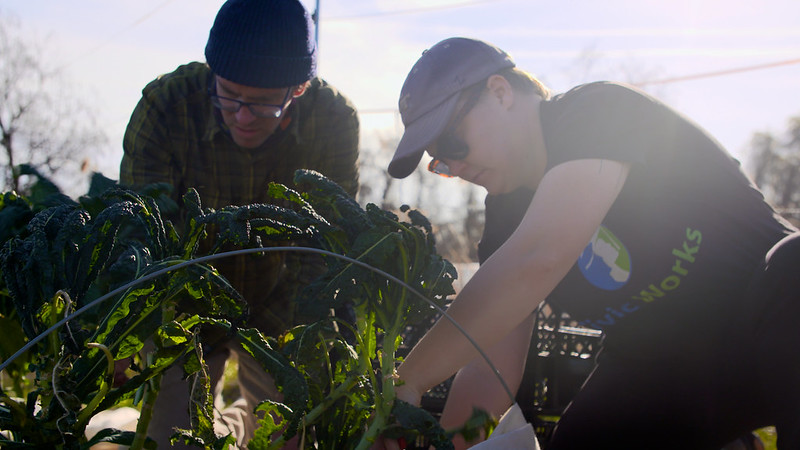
(512, 432)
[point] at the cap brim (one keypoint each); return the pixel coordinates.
(420, 134)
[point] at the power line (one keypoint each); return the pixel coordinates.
(111, 38)
(407, 11)
(719, 73)
(669, 80)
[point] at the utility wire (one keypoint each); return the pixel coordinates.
(669, 80)
(407, 11)
(120, 32)
(719, 73)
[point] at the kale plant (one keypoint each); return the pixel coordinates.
(87, 283)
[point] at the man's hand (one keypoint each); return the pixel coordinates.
(120, 366)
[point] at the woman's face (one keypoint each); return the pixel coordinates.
(495, 158)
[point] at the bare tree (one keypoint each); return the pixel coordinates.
(454, 207)
(776, 167)
(593, 65)
(43, 122)
(764, 157)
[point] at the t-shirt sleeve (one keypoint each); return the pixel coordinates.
(607, 121)
(598, 120)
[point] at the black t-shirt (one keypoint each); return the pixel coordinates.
(682, 239)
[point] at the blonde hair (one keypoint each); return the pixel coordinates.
(525, 82)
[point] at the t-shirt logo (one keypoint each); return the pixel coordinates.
(605, 262)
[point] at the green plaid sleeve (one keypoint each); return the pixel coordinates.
(145, 159)
(340, 146)
(334, 128)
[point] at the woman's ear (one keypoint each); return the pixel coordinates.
(501, 89)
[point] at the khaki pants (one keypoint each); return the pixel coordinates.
(172, 405)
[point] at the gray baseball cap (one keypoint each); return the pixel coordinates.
(431, 91)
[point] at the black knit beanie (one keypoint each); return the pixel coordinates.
(263, 43)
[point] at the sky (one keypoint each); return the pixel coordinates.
(732, 66)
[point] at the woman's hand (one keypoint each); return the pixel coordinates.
(389, 444)
(407, 394)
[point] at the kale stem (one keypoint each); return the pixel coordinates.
(385, 398)
(151, 388)
(400, 319)
(55, 344)
(335, 395)
(345, 386)
(105, 386)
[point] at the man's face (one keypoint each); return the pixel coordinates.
(247, 129)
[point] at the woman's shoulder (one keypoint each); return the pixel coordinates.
(599, 94)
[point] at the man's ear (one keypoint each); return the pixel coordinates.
(301, 89)
(501, 89)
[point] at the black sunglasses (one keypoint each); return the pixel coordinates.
(448, 146)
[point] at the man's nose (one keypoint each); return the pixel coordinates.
(244, 115)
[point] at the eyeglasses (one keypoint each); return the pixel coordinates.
(262, 110)
(448, 146)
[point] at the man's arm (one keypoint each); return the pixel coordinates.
(146, 158)
(337, 135)
(344, 146)
(333, 122)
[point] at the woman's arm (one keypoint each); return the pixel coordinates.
(570, 203)
(477, 386)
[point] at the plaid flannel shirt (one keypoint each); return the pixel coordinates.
(176, 135)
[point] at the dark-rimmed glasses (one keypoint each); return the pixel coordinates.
(448, 146)
(262, 110)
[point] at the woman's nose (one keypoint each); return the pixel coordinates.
(456, 166)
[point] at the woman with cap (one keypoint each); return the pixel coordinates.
(620, 211)
(253, 114)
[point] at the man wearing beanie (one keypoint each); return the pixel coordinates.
(254, 114)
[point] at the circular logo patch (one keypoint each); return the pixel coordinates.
(605, 262)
